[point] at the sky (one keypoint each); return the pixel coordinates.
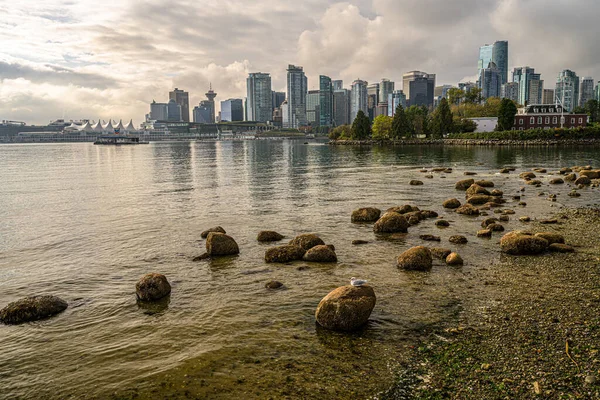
(110, 59)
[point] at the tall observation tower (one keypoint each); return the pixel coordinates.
(210, 95)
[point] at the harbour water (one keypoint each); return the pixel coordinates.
(84, 222)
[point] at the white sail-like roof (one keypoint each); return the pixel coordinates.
(109, 126)
(98, 127)
(120, 125)
(87, 127)
(130, 126)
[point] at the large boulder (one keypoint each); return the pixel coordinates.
(467, 209)
(551, 237)
(220, 244)
(346, 308)
(521, 243)
(269, 236)
(583, 180)
(407, 208)
(451, 203)
(307, 241)
(368, 214)
(284, 254)
(478, 199)
(391, 222)
(152, 287)
(321, 253)
(464, 184)
(32, 308)
(476, 189)
(484, 183)
(416, 259)
(217, 229)
(592, 174)
(527, 175)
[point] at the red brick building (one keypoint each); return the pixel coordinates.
(546, 116)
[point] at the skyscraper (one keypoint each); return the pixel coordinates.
(338, 84)
(418, 87)
(202, 113)
(394, 100)
(278, 98)
(182, 98)
(489, 81)
(312, 107)
(259, 97)
(173, 111)
(529, 93)
(496, 53)
(158, 111)
(548, 97)
(358, 98)
(586, 90)
(341, 107)
(567, 89)
(372, 99)
(297, 88)
(232, 110)
(510, 90)
(325, 101)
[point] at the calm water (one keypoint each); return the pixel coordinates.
(85, 222)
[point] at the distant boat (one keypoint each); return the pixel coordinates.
(117, 139)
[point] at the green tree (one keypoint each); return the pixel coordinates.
(441, 121)
(400, 124)
(361, 127)
(382, 127)
(463, 125)
(340, 132)
(506, 115)
(456, 96)
(473, 96)
(579, 110)
(592, 108)
(418, 120)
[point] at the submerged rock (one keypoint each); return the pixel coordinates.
(467, 209)
(203, 256)
(321, 253)
(391, 222)
(451, 203)
(442, 223)
(220, 244)
(464, 184)
(416, 259)
(307, 241)
(274, 285)
(217, 229)
(415, 182)
(346, 308)
(520, 243)
(32, 308)
(551, 237)
(439, 252)
(454, 259)
(269, 236)
(284, 254)
(458, 239)
(152, 287)
(368, 214)
(359, 241)
(431, 238)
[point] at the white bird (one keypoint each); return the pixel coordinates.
(357, 282)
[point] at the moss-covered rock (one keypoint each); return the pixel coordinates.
(269, 236)
(368, 214)
(307, 241)
(32, 308)
(464, 184)
(521, 243)
(220, 244)
(284, 254)
(216, 229)
(152, 287)
(346, 308)
(467, 209)
(551, 237)
(391, 222)
(416, 259)
(451, 203)
(321, 253)
(454, 259)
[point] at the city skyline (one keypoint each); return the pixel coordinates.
(86, 60)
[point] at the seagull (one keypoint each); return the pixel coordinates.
(357, 282)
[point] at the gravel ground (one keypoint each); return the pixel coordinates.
(533, 332)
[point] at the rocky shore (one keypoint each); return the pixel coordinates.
(467, 142)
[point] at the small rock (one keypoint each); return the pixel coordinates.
(273, 285)
(467, 209)
(476, 189)
(583, 180)
(220, 244)
(307, 241)
(504, 218)
(416, 259)
(442, 223)
(470, 173)
(524, 219)
(439, 252)
(430, 238)
(201, 257)
(269, 236)
(571, 177)
(368, 214)
(486, 233)
(464, 184)
(217, 229)
(504, 171)
(321, 253)
(454, 259)
(32, 308)
(152, 287)
(284, 254)
(484, 183)
(358, 242)
(391, 222)
(495, 227)
(556, 181)
(527, 175)
(415, 182)
(451, 203)
(590, 380)
(457, 239)
(548, 221)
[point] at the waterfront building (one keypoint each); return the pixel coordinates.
(547, 116)
(358, 98)
(510, 90)
(386, 87)
(158, 111)
(313, 107)
(278, 98)
(586, 90)
(372, 99)
(173, 111)
(202, 113)
(182, 98)
(338, 84)
(418, 87)
(285, 116)
(259, 97)
(496, 53)
(567, 89)
(489, 81)
(325, 101)
(232, 110)
(531, 86)
(210, 102)
(394, 99)
(341, 107)
(297, 88)
(548, 97)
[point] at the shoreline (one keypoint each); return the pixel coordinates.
(467, 142)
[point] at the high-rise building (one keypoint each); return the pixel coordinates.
(372, 99)
(285, 116)
(467, 86)
(232, 110)
(386, 87)
(394, 100)
(498, 54)
(567, 89)
(182, 98)
(210, 102)
(510, 90)
(586, 90)
(489, 81)
(297, 88)
(441, 91)
(338, 84)
(278, 98)
(548, 97)
(597, 93)
(312, 107)
(418, 87)
(259, 102)
(529, 93)
(358, 99)
(325, 101)
(173, 111)
(341, 107)
(158, 111)
(203, 113)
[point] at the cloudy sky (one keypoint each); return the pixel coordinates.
(110, 59)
